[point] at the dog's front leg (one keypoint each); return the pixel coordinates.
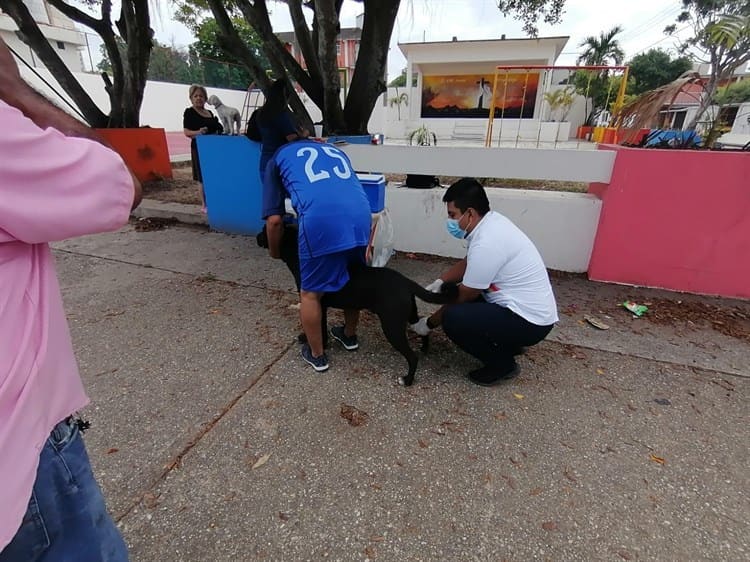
(425, 344)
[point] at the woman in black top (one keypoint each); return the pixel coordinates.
(197, 120)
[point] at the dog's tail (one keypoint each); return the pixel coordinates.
(448, 293)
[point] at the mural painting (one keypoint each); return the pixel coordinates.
(470, 95)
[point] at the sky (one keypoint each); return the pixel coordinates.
(643, 22)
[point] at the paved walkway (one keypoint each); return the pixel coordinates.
(213, 441)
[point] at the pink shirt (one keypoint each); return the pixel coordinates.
(51, 188)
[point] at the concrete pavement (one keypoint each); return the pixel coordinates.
(214, 441)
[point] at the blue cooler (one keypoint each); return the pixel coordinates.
(374, 185)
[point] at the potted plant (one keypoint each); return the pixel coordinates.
(422, 136)
(560, 101)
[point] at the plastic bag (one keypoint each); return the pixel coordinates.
(383, 240)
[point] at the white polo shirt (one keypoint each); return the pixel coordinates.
(504, 264)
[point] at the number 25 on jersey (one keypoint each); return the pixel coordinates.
(312, 153)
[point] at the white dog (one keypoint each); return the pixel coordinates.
(229, 116)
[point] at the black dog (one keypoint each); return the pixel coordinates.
(385, 292)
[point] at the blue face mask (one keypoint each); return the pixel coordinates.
(453, 229)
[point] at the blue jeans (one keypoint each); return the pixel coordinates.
(66, 520)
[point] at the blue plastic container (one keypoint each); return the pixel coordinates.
(374, 186)
(231, 181)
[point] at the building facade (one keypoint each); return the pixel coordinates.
(450, 86)
(59, 30)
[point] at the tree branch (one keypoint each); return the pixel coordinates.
(305, 40)
(33, 36)
(77, 15)
(231, 42)
(325, 14)
(257, 17)
(368, 81)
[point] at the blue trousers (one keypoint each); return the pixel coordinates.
(491, 333)
(66, 520)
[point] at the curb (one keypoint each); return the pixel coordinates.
(188, 214)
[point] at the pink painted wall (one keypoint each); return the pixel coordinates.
(675, 219)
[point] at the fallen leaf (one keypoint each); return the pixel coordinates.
(112, 450)
(149, 500)
(549, 526)
(510, 480)
(518, 396)
(354, 416)
(600, 371)
(656, 459)
(262, 460)
(569, 474)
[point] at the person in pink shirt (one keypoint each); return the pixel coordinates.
(57, 180)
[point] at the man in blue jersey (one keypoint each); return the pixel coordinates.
(334, 229)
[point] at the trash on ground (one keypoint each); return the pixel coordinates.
(261, 461)
(596, 323)
(635, 308)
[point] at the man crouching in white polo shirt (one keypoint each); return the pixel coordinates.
(505, 298)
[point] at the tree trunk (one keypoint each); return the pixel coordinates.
(104, 28)
(708, 93)
(135, 28)
(305, 40)
(257, 17)
(333, 115)
(230, 41)
(368, 81)
(35, 39)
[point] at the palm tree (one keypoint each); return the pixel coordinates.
(397, 100)
(599, 51)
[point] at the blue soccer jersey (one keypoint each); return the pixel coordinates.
(332, 208)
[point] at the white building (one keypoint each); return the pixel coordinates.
(59, 30)
(450, 83)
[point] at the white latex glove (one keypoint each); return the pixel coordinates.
(421, 327)
(434, 287)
